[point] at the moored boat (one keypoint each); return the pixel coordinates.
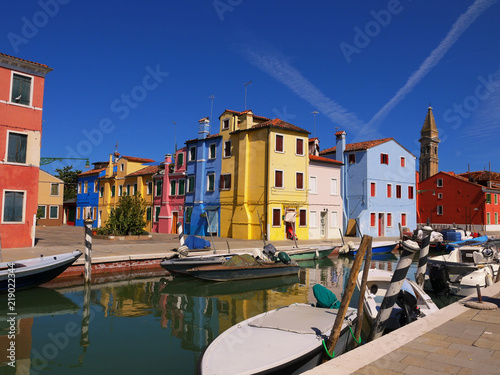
(181, 265)
(32, 272)
(378, 247)
(307, 252)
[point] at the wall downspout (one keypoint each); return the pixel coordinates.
(266, 185)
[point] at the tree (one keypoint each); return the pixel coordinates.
(70, 178)
(127, 218)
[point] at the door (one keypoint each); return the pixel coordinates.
(322, 224)
(175, 219)
(381, 225)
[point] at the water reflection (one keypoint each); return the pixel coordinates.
(156, 324)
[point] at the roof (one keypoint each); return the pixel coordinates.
(313, 139)
(429, 127)
(324, 160)
(246, 111)
(137, 160)
(276, 123)
(92, 171)
(25, 64)
(151, 169)
(28, 61)
(359, 146)
(208, 137)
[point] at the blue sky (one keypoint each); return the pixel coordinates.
(142, 73)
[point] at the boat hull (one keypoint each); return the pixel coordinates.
(380, 248)
(222, 273)
(181, 265)
(309, 254)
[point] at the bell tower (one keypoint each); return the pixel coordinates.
(429, 141)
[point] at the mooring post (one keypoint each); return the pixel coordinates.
(366, 243)
(364, 281)
(181, 233)
(88, 248)
(399, 275)
(84, 335)
(424, 252)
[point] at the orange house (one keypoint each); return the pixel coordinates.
(21, 104)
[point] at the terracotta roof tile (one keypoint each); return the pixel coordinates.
(92, 171)
(137, 160)
(28, 61)
(325, 160)
(276, 123)
(240, 113)
(151, 169)
(208, 137)
(358, 146)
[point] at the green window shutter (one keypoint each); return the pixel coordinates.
(148, 214)
(182, 184)
(16, 152)
(13, 206)
(113, 190)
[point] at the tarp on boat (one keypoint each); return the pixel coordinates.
(193, 242)
(243, 260)
(325, 297)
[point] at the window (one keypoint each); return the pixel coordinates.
(158, 188)
(488, 198)
(299, 146)
(13, 207)
(128, 189)
(120, 190)
(389, 219)
(173, 185)
(225, 124)
(302, 218)
(496, 198)
(85, 187)
(54, 189)
(384, 159)
(42, 212)
(148, 214)
(278, 179)
(398, 191)
(17, 146)
(227, 149)
(225, 182)
(439, 182)
(440, 195)
(189, 213)
(122, 167)
(439, 210)
(276, 217)
(79, 188)
(149, 187)
(403, 220)
(94, 213)
(299, 180)
(190, 187)
(101, 191)
(334, 187)
(403, 162)
(496, 217)
(135, 189)
(180, 159)
(389, 190)
(157, 213)
(78, 213)
(373, 189)
(373, 221)
(334, 222)
(279, 143)
(488, 218)
(192, 153)
(182, 186)
(113, 190)
(211, 154)
(211, 182)
(410, 192)
(21, 89)
(312, 185)
(95, 186)
(313, 219)
(352, 158)
(53, 212)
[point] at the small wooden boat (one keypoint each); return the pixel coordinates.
(181, 265)
(243, 267)
(307, 253)
(378, 247)
(286, 340)
(29, 273)
(412, 303)
(461, 270)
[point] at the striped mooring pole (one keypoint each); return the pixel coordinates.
(88, 248)
(399, 275)
(181, 233)
(424, 252)
(84, 336)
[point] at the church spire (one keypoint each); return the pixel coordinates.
(429, 161)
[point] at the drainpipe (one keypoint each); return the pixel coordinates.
(266, 184)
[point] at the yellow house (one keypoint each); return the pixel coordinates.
(264, 174)
(121, 179)
(50, 199)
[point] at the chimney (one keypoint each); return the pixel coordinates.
(168, 159)
(340, 145)
(204, 128)
(246, 120)
(109, 168)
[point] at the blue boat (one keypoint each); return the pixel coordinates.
(378, 247)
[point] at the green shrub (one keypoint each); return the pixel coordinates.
(127, 218)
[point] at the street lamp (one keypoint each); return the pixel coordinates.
(45, 161)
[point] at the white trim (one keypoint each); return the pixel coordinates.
(392, 219)
(401, 218)
(303, 182)
(332, 190)
(44, 211)
(24, 206)
(7, 147)
(224, 184)
(189, 153)
(208, 181)
(298, 217)
(282, 179)
(20, 105)
(272, 218)
(313, 214)
(303, 146)
(57, 217)
(215, 151)
(224, 149)
(315, 191)
(223, 127)
(32, 85)
(283, 145)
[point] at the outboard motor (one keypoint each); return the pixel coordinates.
(269, 251)
(408, 304)
(284, 258)
(440, 278)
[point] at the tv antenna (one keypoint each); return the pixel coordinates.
(314, 129)
(246, 84)
(175, 135)
(211, 110)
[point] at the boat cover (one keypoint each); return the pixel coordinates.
(243, 260)
(304, 319)
(193, 242)
(325, 297)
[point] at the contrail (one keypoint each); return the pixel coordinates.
(458, 28)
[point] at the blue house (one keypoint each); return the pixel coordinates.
(87, 198)
(202, 203)
(378, 186)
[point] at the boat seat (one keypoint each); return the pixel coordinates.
(478, 257)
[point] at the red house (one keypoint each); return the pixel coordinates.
(21, 104)
(469, 200)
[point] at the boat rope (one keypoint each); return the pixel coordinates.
(354, 337)
(327, 352)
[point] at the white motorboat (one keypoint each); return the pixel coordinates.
(412, 302)
(288, 340)
(460, 271)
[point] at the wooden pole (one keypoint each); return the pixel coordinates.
(346, 297)
(362, 291)
(88, 249)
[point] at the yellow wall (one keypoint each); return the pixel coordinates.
(45, 198)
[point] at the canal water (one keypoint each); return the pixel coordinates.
(158, 324)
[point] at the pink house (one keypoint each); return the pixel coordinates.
(169, 194)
